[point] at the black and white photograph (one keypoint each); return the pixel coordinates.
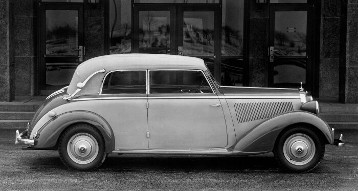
(178, 95)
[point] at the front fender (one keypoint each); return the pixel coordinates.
(51, 131)
(262, 138)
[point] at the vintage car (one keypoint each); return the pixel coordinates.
(166, 104)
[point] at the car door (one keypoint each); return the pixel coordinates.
(183, 112)
(124, 101)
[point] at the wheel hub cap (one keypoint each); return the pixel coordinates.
(82, 148)
(299, 149)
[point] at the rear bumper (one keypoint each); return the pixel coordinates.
(20, 139)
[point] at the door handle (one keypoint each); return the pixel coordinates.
(216, 105)
(271, 53)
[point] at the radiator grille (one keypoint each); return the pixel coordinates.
(246, 112)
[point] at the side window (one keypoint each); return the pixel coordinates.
(125, 82)
(178, 82)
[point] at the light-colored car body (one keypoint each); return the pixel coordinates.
(219, 120)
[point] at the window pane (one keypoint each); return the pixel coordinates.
(290, 33)
(68, 1)
(176, 1)
(120, 26)
(61, 32)
(154, 32)
(125, 82)
(232, 72)
(233, 27)
(198, 33)
(178, 82)
(288, 1)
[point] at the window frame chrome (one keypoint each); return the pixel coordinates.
(138, 70)
(194, 70)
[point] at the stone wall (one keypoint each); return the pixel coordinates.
(351, 67)
(24, 46)
(6, 61)
(329, 50)
(258, 44)
(94, 32)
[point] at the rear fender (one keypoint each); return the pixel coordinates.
(50, 133)
(262, 138)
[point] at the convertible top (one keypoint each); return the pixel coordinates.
(132, 62)
(140, 62)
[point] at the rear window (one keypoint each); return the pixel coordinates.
(125, 82)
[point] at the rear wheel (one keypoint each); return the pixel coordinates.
(81, 147)
(299, 149)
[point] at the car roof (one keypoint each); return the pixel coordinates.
(140, 62)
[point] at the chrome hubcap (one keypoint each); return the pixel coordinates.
(82, 148)
(299, 149)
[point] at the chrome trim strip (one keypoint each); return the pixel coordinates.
(57, 92)
(188, 97)
(258, 97)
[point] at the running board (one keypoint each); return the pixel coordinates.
(218, 151)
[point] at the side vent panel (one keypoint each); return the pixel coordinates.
(246, 112)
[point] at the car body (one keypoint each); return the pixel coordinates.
(166, 104)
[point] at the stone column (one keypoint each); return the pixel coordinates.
(258, 44)
(94, 31)
(330, 50)
(6, 62)
(351, 67)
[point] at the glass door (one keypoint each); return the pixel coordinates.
(180, 29)
(154, 29)
(61, 44)
(290, 46)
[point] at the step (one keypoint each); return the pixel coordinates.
(13, 124)
(13, 115)
(343, 125)
(338, 108)
(339, 117)
(19, 107)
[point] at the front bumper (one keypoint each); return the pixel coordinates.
(338, 142)
(20, 139)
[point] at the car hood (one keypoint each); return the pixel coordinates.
(258, 91)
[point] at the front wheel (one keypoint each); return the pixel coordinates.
(81, 147)
(299, 149)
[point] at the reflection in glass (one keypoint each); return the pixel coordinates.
(154, 31)
(198, 33)
(178, 82)
(233, 27)
(176, 1)
(67, 1)
(290, 33)
(120, 30)
(232, 72)
(288, 1)
(289, 72)
(61, 32)
(124, 82)
(59, 74)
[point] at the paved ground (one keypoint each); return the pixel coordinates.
(43, 170)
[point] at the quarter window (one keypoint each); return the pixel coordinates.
(178, 82)
(125, 82)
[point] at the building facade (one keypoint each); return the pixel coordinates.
(264, 43)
